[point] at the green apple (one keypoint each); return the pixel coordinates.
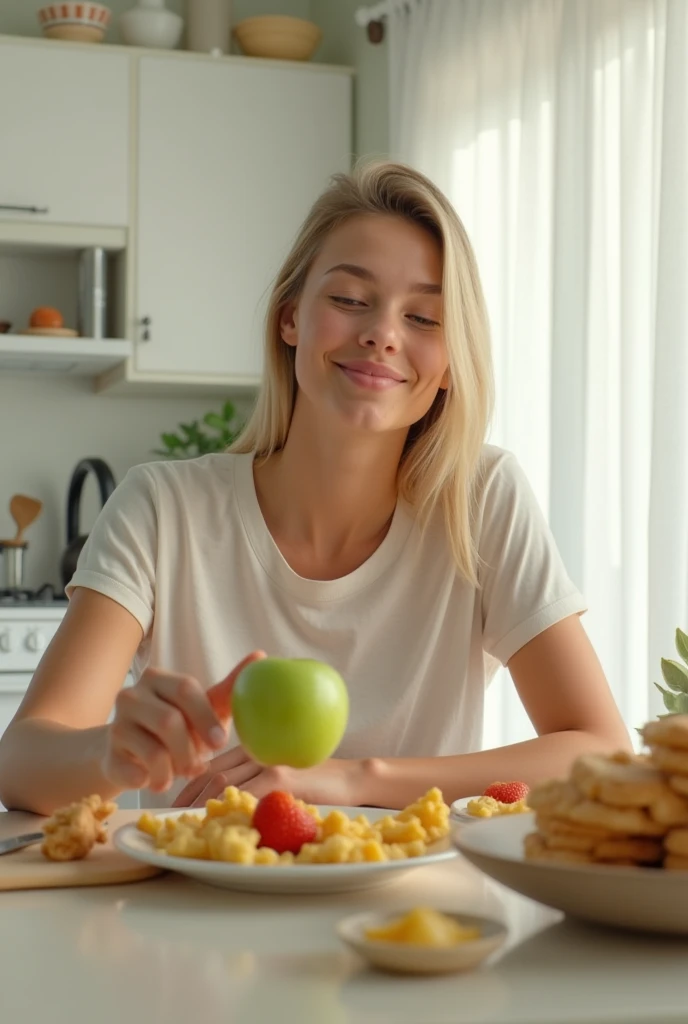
(290, 711)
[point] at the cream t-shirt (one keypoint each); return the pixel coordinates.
(183, 546)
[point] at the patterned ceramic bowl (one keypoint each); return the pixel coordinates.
(83, 22)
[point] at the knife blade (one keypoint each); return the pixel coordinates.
(17, 842)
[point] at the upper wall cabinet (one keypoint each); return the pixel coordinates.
(64, 135)
(230, 158)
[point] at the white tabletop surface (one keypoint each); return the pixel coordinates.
(175, 951)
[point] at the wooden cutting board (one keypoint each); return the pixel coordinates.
(29, 869)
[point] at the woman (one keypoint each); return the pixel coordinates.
(360, 520)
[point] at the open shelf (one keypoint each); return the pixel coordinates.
(79, 357)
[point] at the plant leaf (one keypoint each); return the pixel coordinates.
(171, 440)
(669, 699)
(214, 420)
(675, 675)
(228, 411)
(682, 644)
(190, 429)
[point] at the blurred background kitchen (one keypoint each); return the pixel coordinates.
(157, 158)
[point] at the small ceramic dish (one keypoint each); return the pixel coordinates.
(278, 36)
(406, 958)
(82, 21)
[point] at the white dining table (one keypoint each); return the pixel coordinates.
(172, 951)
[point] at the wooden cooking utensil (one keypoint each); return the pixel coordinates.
(24, 511)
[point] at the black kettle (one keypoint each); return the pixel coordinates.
(75, 540)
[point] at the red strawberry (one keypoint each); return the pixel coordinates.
(507, 792)
(282, 823)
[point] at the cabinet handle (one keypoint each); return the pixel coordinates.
(145, 323)
(23, 209)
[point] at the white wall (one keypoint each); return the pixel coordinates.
(345, 43)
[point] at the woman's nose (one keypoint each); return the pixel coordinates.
(382, 333)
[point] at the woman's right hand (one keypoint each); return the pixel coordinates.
(167, 726)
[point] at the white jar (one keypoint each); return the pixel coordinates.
(151, 24)
(208, 25)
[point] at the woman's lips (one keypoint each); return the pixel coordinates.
(374, 378)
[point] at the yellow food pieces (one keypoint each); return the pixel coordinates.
(488, 807)
(225, 833)
(424, 926)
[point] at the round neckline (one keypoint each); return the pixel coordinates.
(277, 567)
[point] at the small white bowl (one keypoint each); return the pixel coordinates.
(402, 957)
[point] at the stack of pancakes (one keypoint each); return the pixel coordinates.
(668, 741)
(619, 808)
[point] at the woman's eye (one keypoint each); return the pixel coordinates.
(423, 321)
(344, 300)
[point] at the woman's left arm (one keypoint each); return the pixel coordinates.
(563, 688)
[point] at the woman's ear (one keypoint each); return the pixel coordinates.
(287, 324)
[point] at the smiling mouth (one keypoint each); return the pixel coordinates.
(373, 377)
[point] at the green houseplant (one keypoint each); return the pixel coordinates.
(675, 675)
(214, 433)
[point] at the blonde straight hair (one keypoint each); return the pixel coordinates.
(440, 463)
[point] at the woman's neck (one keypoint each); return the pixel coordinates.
(328, 497)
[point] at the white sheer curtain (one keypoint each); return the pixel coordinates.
(559, 129)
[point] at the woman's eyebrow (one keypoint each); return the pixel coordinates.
(367, 275)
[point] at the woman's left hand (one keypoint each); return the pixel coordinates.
(336, 782)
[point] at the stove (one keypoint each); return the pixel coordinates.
(29, 620)
(44, 597)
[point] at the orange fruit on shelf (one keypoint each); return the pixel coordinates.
(46, 316)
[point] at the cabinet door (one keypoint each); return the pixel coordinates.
(64, 133)
(231, 158)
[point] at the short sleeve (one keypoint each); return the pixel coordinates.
(120, 555)
(525, 587)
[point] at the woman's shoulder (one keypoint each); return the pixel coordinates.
(194, 477)
(503, 490)
(497, 468)
(504, 495)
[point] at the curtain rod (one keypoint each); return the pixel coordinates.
(364, 15)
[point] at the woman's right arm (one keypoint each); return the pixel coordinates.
(59, 747)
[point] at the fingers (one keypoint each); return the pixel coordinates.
(166, 726)
(227, 762)
(266, 780)
(186, 694)
(121, 768)
(198, 792)
(220, 695)
(135, 758)
(213, 788)
(218, 783)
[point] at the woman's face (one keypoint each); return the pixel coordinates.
(368, 326)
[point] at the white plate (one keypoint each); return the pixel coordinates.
(459, 812)
(646, 899)
(296, 878)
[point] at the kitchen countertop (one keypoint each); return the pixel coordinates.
(175, 951)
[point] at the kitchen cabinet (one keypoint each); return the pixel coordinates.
(231, 155)
(64, 131)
